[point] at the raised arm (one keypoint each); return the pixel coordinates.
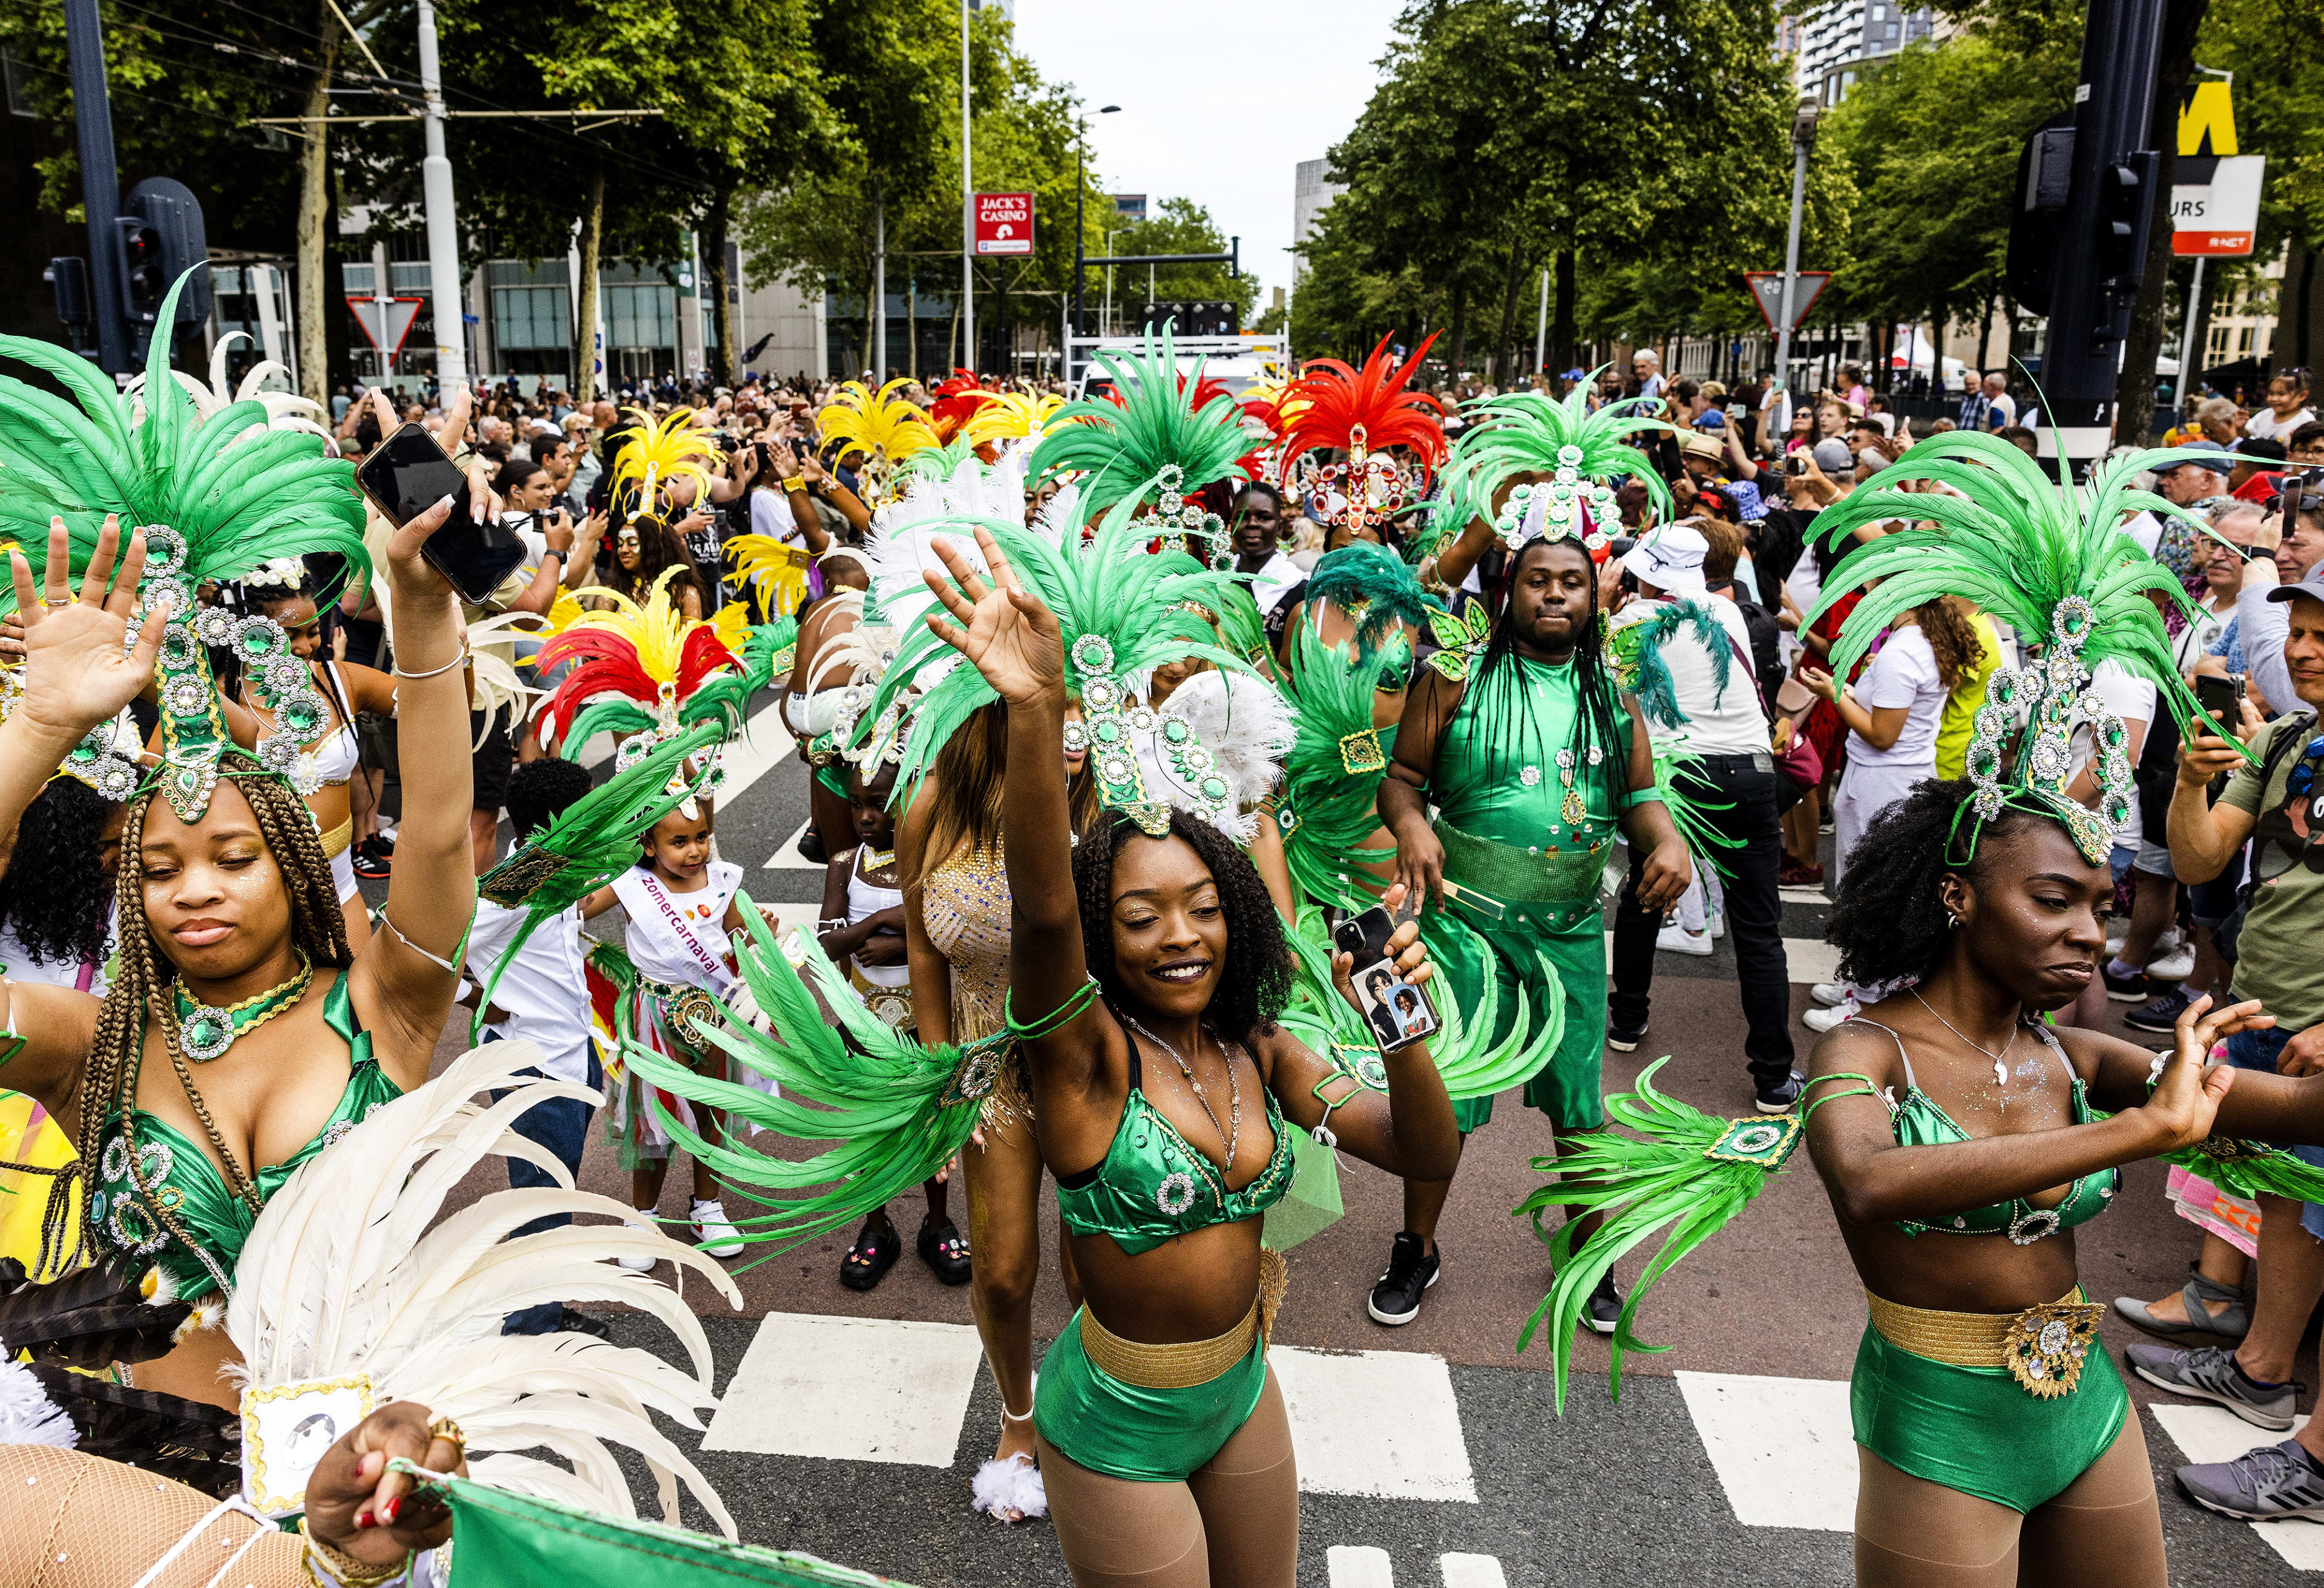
(402, 980)
(78, 672)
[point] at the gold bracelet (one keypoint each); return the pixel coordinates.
(346, 1570)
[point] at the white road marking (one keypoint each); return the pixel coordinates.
(1806, 960)
(1471, 1571)
(851, 1389)
(1358, 1566)
(2206, 1434)
(1784, 1448)
(787, 857)
(1815, 895)
(1382, 1424)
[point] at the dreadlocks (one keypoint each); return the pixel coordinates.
(144, 987)
(1498, 679)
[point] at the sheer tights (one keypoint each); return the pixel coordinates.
(2104, 1531)
(69, 1520)
(1233, 1524)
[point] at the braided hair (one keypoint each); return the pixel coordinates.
(1497, 679)
(1255, 974)
(144, 986)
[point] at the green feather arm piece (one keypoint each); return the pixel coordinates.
(894, 1111)
(593, 841)
(1678, 775)
(1689, 1177)
(2008, 539)
(1332, 772)
(2250, 1168)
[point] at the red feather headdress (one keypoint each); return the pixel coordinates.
(1366, 412)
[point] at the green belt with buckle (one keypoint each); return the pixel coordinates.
(1553, 889)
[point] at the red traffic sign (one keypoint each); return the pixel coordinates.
(1005, 223)
(1767, 288)
(386, 320)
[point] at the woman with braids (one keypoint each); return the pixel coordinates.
(1534, 759)
(347, 689)
(242, 1034)
(1146, 968)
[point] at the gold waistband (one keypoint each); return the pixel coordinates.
(2043, 1347)
(335, 841)
(1183, 1364)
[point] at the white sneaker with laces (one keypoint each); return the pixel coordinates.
(1824, 1019)
(1830, 994)
(1677, 939)
(713, 1232)
(2176, 965)
(1716, 922)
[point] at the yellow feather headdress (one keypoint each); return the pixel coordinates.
(658, 452)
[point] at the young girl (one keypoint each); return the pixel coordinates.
(862, 928)
(681, 906)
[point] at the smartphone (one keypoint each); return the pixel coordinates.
(1399, 1012)
(408, 474)
(2219, 697)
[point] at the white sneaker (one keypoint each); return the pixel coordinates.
(1824, 1019)
(2176, 965)
(1830, 994)
(713, 1232)
(638, 1265)
(1716, 921)
(1679, 940)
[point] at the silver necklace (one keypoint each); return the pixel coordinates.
(1231, 1133)
(2000, 1070)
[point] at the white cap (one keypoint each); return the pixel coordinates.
(1670, 558)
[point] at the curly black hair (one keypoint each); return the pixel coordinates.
(55, 895)
(1889, 921)
(1254, 981)
(540, 791)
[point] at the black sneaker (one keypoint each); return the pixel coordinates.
(810, 846)
(2159, 1012)
(572, 1320)
(372, 858)
(1396, 1299)
(1784, 1097)
(1625, 1038)
(2131, 989)
(1604, 1309)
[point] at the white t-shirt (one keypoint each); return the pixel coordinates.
(1905, 673)
(2132, 699)
(2264, 426)
(544, 989)
(1726, 722)
(771, 514)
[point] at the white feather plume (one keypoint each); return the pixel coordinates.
(27, 1415)
(1244, 724)
(350, 1269)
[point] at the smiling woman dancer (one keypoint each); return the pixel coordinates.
(235, 963)
(1158, 966)
(1959, 1137)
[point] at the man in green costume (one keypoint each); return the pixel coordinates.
(1534, 759)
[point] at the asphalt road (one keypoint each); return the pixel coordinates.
(1433, 1452)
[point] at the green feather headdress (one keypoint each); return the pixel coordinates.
(1375, 588)
(1578, 451)
(215, 497)
(1121, 609)
(2053, 562)
(1147, 440)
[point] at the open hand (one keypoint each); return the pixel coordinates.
(1002, 628)
(76, 675)
(2187, 1096)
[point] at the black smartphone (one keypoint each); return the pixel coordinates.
(408, 474)
(2218, 696)
(1399, 1012)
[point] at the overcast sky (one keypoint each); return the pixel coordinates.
(1220, 98)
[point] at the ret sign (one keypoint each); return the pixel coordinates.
(1005, 223)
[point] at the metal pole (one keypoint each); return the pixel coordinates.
(445, 296)
(967, 210)
(1541, 329)
(100, 184)
(2186, 335)
(879, 285)
(1080, 181)
(1802, 140)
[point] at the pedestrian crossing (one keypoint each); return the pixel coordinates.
(1364, 1565)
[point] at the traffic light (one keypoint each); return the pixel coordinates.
(141, 269)
(2126, 217)
(162, 237)
(69, 275)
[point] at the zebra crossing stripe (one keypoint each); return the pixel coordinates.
(1358, 1566)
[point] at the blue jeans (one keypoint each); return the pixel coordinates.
(561, 1124)
(2259, 1050)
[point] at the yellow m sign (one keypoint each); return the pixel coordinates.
(2206, 122)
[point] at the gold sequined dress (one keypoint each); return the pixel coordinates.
(965, 911)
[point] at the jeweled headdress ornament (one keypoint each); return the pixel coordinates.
(1159, 438)
(1581, 452)
(2050, 561)
(215, 497)
(1365, 413)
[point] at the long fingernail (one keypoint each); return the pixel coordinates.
(447, 500)
(363, 1519)
(394, 1508)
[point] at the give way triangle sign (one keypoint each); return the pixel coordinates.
(1768, 287)
(386, 320)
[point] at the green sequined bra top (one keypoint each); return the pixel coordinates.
(176, 1174)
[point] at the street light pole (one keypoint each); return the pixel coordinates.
(1804, 123)
(100, 184)
(1081, 250)
(967, 211)
(445, 300)
(1541, 329)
